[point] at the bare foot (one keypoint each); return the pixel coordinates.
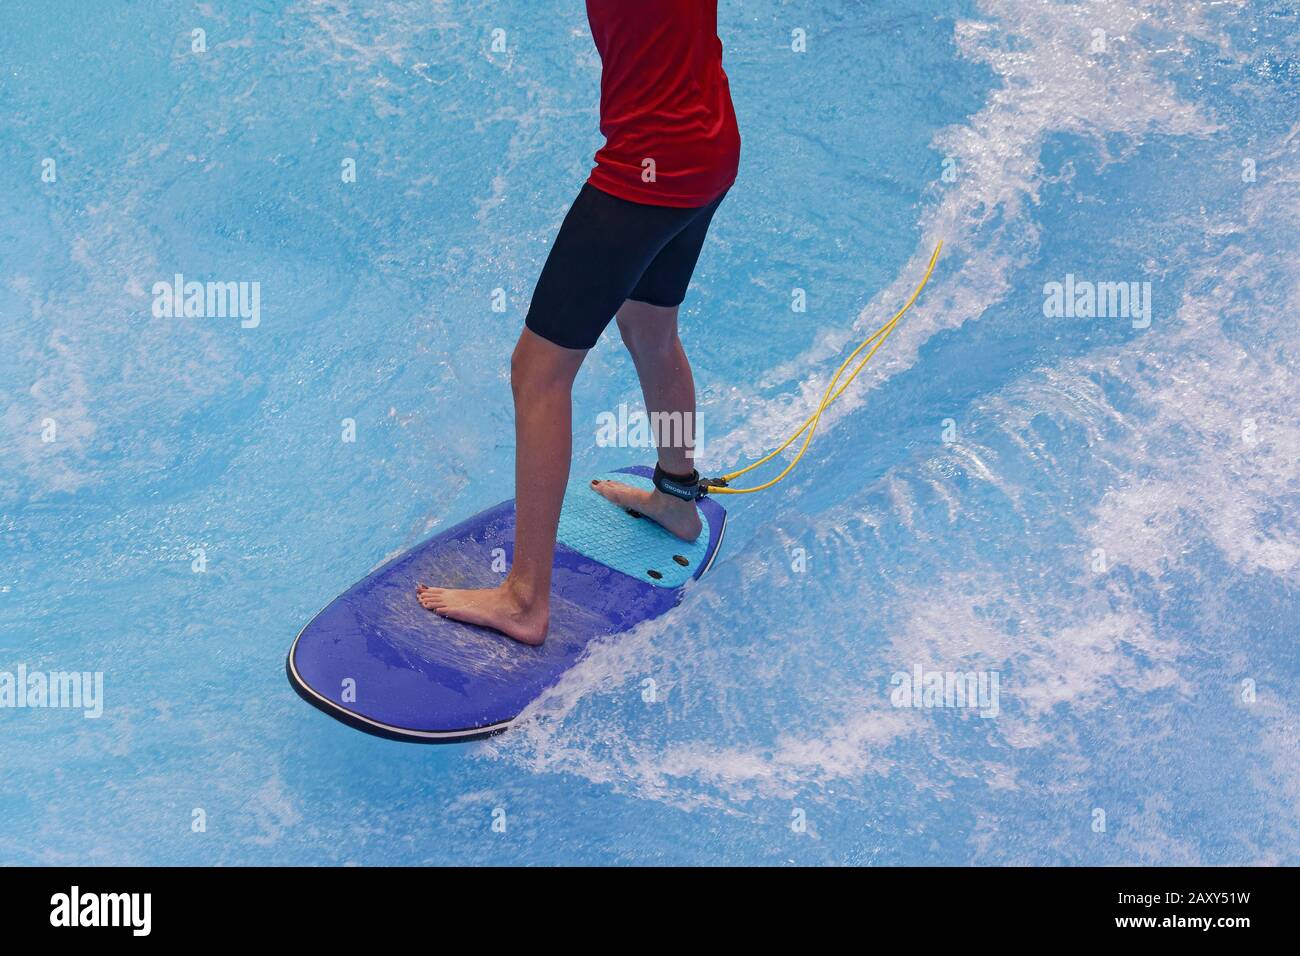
(678, 516)
(499, 608)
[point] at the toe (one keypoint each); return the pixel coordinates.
(433, 598)
(615, 491)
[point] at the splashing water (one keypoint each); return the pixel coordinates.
(1098, 511)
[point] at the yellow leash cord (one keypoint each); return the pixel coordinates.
(879, 337)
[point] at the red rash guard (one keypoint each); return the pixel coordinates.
(665, 106)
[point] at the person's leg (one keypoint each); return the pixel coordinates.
(648, 321)
(607, 248)
(650, 334)
(541, 377)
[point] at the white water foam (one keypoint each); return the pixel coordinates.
(1050, 85)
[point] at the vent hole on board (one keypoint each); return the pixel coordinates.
(655, 574)
(680, 560)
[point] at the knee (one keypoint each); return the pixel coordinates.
(537, 368)
(650, 339)
(520, 372)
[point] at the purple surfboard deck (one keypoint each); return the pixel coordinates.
(378, 661)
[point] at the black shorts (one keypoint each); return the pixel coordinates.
(609, 250)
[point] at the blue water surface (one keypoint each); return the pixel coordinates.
(1100, 511)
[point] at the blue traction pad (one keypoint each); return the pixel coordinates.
(601, 530)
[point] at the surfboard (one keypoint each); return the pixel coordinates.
(376, 660)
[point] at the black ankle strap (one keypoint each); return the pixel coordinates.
(686, 487)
